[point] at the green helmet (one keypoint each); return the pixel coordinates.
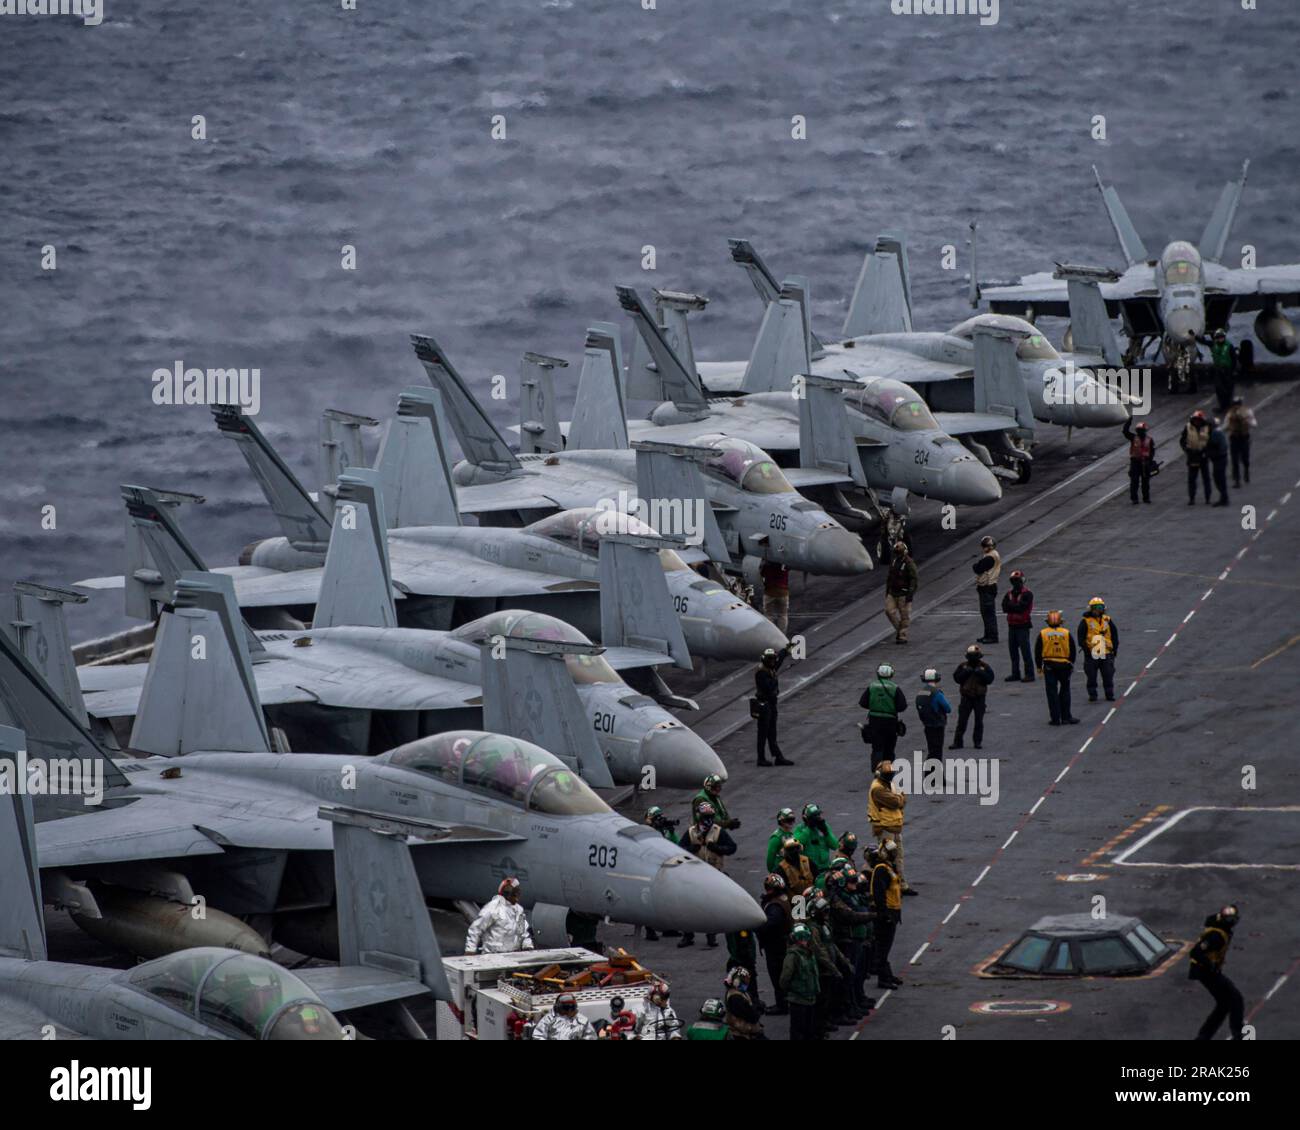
(839, 863)
(653, 812)
(811, 810)
(784, 815)
(712, 1009)
(712, 783)
(801, 933)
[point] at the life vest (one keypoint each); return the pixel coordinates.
(1098, 632)
(797, 878)
(881, 699)
(991, 574)
(744, 1029)
(1239, 420)
(1197, 438)
(878, 813)
(1141, 447)
(705, 844)
(894, 893)
(1214, 958)
(1056, 644)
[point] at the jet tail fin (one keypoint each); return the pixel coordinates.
(539, 427)
(303, 522)
(825, 437)
(199, 693)
(636, 608)
(999, 388)
(678, 384)
(745, 255)
(673, 307)
(1215, 236)
(1090, 326)
(882, 298)
(383, 922)
(157, 552)
(22, 922)
(780, 350)
(528, 693)
(53, 731)
(599, 414)
(671, 485)
(413, 464)
(356, 587)
(1130, 243)
(480, 442)
(42, 634)
(341, 445)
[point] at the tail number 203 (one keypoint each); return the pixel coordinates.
(600, 856)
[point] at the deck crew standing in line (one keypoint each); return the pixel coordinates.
(986, 570)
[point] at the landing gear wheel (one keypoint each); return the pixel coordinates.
(1024, 469)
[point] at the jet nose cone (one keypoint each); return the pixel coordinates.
(836, 552)
(1107, 414)
(749, 642)
(1184, 325)
(680, 757)
(968, 482)
(690, 895)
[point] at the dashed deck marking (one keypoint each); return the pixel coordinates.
(917, 956)
(1109, 715)
(948, 917)
(1010, 838)
(982, 874)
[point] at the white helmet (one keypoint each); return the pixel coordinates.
(929, 675)
(885, 670)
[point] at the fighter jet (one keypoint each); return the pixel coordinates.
(356, 682)
(741, 506)
(831, 431)
(215, 813)
(444, 573)
(215, 992)
(1172, 301)
(879, 341)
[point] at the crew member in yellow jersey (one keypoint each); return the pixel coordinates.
(1098, 639)
(1206, 966)
(1054, 655)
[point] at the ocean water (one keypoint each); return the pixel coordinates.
(624, 128)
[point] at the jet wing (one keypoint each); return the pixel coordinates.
(971, 423)
(334, 674)
(801, 477)
(114, 691)
(21, 1021)
(149, 827)
(239, 572)
(345, 987)
(770, 432)
(1256, 289)
(626, 658)
(522, 493)
(450, 572)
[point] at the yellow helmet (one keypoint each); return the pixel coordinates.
(1096, 600)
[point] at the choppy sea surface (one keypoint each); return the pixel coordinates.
(624, 128)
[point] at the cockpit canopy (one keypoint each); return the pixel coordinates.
(239, 994)
(1180, 264)
(519, 624)
(518, 771)
(583, 527)
(893, 403)
(1032, 347)
(745, 464)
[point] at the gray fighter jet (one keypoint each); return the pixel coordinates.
(1172, 301)
(355, 682)
(879, 341)
(831, 430)
(213, 992)
(241, 827)
(739, 507)
(445, 574)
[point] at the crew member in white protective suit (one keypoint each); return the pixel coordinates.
(657, 1020)
(564, 1022)
(501, 926)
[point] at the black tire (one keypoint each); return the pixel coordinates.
(1246, 356)
(1024, 471)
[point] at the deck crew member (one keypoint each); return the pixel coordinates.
(1054, 656)
(1098, 639)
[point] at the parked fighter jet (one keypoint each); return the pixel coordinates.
(444, 574)
(813, 421)
(879, 341)
(1171, 301)
(744, 500)
(355, 682)
(242, 827)
(213, 992)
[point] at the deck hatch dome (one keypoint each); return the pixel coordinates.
(1078, 945)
